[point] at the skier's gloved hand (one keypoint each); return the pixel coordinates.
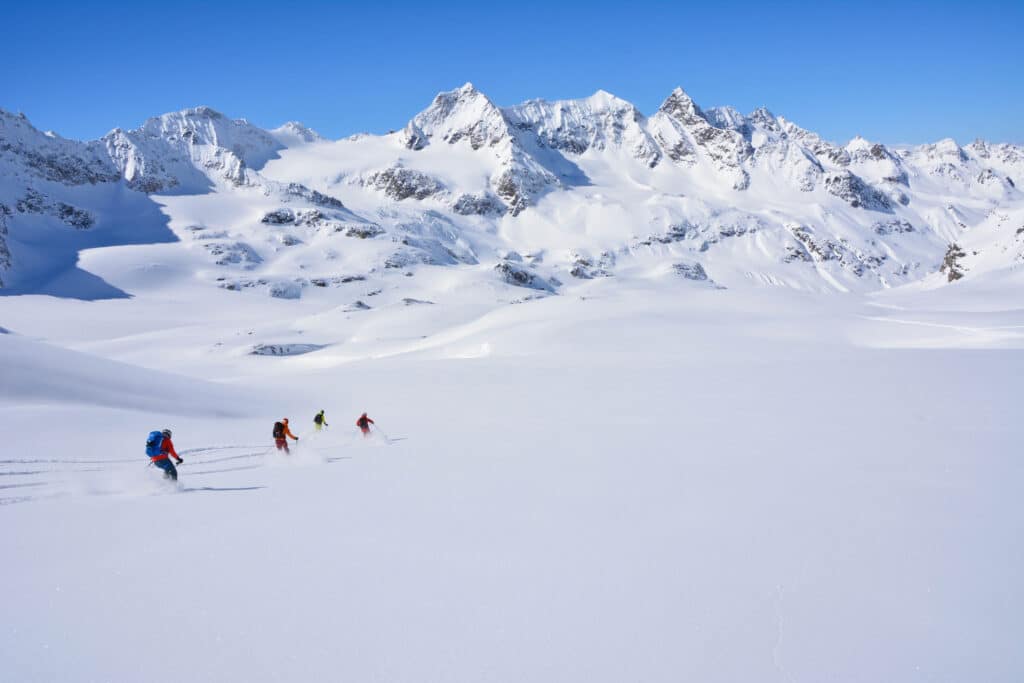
(180, 461)
(296, 438)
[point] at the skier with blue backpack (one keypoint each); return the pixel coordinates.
(160, 449)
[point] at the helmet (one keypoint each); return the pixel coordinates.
(166, 433)
(285, 420)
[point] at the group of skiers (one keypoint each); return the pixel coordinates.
(160, 448)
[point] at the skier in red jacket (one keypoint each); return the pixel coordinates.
(166, 452)
(364, 424)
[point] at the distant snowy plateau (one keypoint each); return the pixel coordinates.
(535, 198)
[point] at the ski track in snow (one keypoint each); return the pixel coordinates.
(59, 479)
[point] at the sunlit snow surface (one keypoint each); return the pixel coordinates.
(733, 424)
(649, 480)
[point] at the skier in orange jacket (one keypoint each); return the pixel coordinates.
(281, 434)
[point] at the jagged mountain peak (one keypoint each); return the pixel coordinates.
(463, 114)
(201, 118)
(679, 105)
(294, 132)
(541, 156)
(764, 117)
(604, 99)
(726, 117)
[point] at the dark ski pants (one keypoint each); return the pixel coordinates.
(170, 471)
(282, 445)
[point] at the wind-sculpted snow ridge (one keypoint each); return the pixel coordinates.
(591, 187)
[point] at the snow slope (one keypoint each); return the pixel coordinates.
(636, 484)
(651, 405)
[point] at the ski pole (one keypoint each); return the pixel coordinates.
(382, 433)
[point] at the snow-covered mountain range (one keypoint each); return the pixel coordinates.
(539, 195)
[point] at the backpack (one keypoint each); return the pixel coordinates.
(319, 419)
(278, 430)
(153, 443)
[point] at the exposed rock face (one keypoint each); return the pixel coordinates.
(855, 192)
(825, 152)
(363, 230)
(284, 349)
(598, 122)
(403, 183)
(36, 202)
(518, 185)
(690, 271)
(283, 216)
(5, 254)
(179, 148)
(478, 205)
(357, 306)
(312, 196)
(464, 116)
(336, 280)
(522, 276)
(684, 131)
(50, 157)
(584, 267)
(566, 160)
(893, 226)
(233, 254)
(951, 266)
(813, 248)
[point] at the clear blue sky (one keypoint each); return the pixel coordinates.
(891, 71)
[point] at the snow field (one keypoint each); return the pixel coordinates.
(639, 485)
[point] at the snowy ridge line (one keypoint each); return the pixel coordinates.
(543, 196)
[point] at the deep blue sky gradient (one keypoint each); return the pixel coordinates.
(890, 71)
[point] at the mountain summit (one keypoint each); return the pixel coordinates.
(588, 188)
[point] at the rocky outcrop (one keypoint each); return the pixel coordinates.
(483, 204)
(283, 216)
(695, 272)
(894, 226)
(284, 349)
(855, 192)
(951, 266)
(519, 275)
(5, 254)
(36, 202)
(820, 249)
(584, 267)
(402, 183)
(300, 191)
(233, 254)
(362, 231)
